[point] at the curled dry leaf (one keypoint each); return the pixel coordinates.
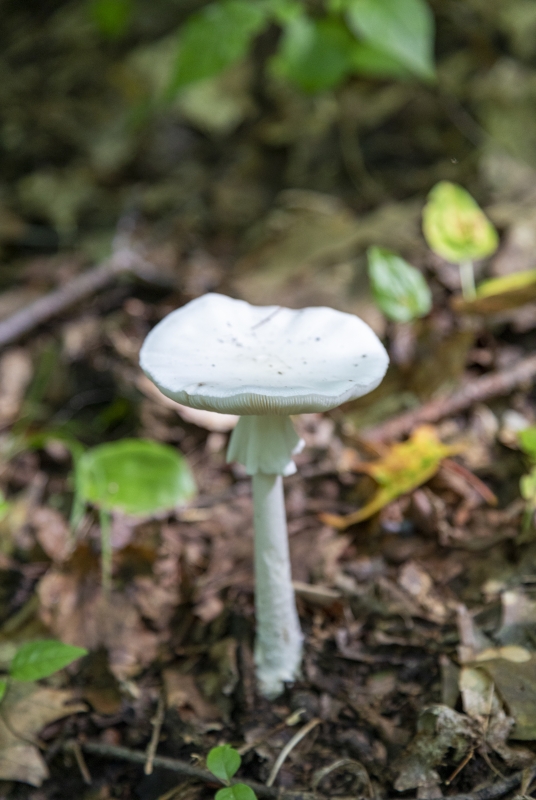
(402, 468)
(26, 709)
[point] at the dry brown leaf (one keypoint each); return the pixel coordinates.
(53, 533)
(182, 692)
(16, 372)
(76, 611)
(26, 709)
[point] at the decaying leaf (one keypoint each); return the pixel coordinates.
(26, 709)
(404, 467)
(439, 730)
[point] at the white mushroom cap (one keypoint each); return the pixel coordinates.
(220, 354)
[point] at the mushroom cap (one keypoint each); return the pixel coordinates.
(226, 355)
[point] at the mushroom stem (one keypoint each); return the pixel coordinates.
(278, 648)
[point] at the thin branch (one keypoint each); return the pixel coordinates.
(124, 261)
(158, 721)
(175, 765)
(477, 390)
(496, 790)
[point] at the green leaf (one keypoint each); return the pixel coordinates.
(369, 60)
(112, 16)
(135, 476)
(223, 761)
(237, 792)
(214, 38)
(42, 658)
(314, 54)
(527, 487)
(402, 29)
(455, 227)
(3, 687)
(399, 289)
(527, 441)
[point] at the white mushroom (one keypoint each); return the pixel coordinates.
(265, 363)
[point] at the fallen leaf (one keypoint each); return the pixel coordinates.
(404, 467)
(15, 374)
(182, 692)
(26, 709)
(53, 533)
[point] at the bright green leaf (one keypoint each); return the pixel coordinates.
(527, 487)
(112, 16)
(527, 441)
(237, 792)
(314, 54)
(135, 476)
(369, 60)
(403, 29)
(42, 658)
(455, 227)
(223, 761)
(215, 38)
(399, 289)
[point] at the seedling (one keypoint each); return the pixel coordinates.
(39, 659)
(136, 477)
(399, 289)
(224, 762)
(264, 364)
(457, 229)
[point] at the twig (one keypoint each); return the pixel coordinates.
(175, 765)
(290, 745)
(124, 261)
(80, 760)
(476, 391)
(157, 727)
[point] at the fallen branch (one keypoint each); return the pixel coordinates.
(124, 261)
(183, 768)
(477, 390)
(492, 792)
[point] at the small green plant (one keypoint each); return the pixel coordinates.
(386, 38)
(224, 762)
(136, 477)
(399, 289)
(457, 229)
(527, 483)
(39, 659)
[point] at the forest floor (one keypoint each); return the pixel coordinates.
(419, 675)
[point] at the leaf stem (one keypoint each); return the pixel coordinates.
(106, 551)
(467, 279)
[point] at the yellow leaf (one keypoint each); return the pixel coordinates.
(404, 467)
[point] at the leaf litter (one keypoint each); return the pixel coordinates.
(420, 659)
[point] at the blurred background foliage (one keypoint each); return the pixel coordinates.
(198, 115)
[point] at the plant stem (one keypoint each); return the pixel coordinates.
(278, 648)
(106, 551)
(467, 279)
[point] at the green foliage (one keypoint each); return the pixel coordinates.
(224, 762)
(215, 38)
(314, 54)
(112, 16)
(383, 38)
(399, 289)
(135, 476)
(237, 792)
(39, 659)
(401, 29)
(527, 442)
(455, 227)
